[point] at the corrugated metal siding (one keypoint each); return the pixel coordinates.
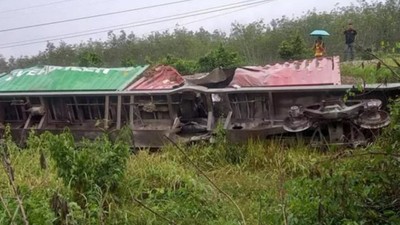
(55, 78)
(307, 72)
(161, 77)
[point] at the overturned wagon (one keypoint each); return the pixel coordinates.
(300, 99)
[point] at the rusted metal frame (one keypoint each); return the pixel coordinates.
(253, 108)
(246, 101)
(53, 109)
(89, 108)
(236, 106)
(27, 122)
(78, 112)
(97, 107)
(106, 111)
(152, 101)
(112, 108)
(226, 100)
(131, 102)
(302, 89)
(70, 113)
(247, 106)
(17, 113)
(85, 104)
(22, 108)
(172, 113)
(271, 108)
(43, 119)
(73, 112)
(210, 114)
(133, 110)
(119, 110)
(125, 111)
(24, 117)
(263, 106)
(10, 101)
(228, 119)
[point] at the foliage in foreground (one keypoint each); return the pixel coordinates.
(271, 183)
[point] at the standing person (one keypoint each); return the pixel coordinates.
(350, 36)
(319, 47)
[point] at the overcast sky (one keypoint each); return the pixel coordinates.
(22, 13)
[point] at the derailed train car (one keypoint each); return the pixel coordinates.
(299, 99)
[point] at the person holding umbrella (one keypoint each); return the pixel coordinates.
(319, 45)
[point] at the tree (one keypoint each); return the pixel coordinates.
(220, 57)
(3, 64)
(90, 59)
(294, 48)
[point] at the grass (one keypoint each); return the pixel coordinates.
(168, 183)
(271, 184)
(370, 71)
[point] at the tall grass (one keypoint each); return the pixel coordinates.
(372, 71)
(271, 182)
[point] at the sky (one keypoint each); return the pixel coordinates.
(22, 21)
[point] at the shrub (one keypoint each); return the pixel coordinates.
(220, 57)
(90, 59)
(87, 165)
(293, 48)
(184, 67)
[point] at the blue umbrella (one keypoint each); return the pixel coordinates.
(319, 33)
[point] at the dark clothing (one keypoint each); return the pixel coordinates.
(350, 35)
(349, 52)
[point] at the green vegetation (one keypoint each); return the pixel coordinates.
(294, 48)
(387, 70)
(55, 179)
(256, 43)
(61, 181)
(219, 57)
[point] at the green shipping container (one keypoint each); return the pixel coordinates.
(56, 78)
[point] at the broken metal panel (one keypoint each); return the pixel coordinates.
(161, 77)
(249, 106)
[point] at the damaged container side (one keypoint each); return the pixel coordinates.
(55, 78)
(161, 103)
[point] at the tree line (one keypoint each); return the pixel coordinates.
(257, 43)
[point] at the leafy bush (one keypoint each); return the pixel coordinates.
(90, 59)
(86, 165)
(220, 57)
(184, 67)
(128, 62)
(293, 48)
